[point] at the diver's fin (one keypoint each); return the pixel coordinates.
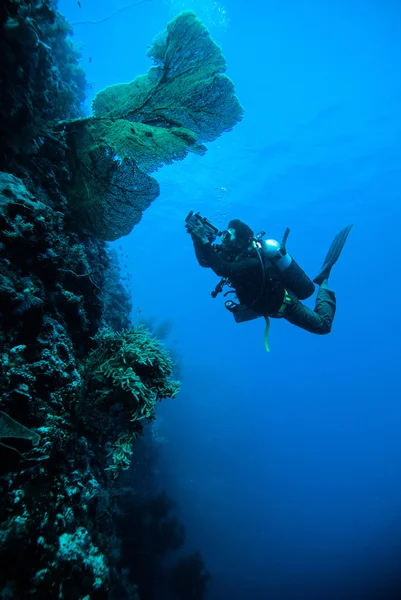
(333, 255)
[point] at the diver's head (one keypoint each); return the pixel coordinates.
(238, 235)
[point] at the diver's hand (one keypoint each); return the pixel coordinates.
(198, 233)
(190, 226)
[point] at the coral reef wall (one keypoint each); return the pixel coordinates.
(41, 81)
(58, 289)
(78, 382)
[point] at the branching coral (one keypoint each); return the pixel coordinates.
(135, 364)
(121, 453)
(125, 376)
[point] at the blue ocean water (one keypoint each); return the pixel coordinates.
(286, 466)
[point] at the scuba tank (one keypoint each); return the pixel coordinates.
(291, 274)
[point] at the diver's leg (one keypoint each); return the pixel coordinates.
(319, 320)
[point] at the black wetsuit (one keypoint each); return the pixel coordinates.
(245, 276)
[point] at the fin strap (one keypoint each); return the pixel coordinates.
(266, 334)
(285, 238)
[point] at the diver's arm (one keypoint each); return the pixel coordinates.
(224, 268)
(199, 247)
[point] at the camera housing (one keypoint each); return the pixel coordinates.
(193, 219)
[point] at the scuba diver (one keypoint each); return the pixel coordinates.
(266, 280)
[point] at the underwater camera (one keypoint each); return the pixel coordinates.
(192, 220)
